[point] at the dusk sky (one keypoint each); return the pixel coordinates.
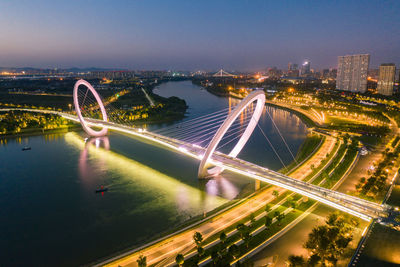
(191, 35)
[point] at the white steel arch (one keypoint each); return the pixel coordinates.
(258, 96)
(84, 124)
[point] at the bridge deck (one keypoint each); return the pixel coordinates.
(361, 208)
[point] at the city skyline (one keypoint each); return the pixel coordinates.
(190, 36)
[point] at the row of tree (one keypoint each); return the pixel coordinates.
(14, 122)
(226, 251)
(327, 243)
(375, 185)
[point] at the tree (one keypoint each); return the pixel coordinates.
(244, 233)
(276, 213)
(296, 261)
(328, 242)
(358, 186)
(267, 208)
(234, 251)
(215, 256)
(200, 251)
(252, 220)
(179, 259)
(314, 260)
(279, 218)
(293, 205)
(198, 238)
(275, 193)
(268, 222)
(142, 261)
(222, 237)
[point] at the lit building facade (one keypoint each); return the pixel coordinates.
(306, 68)
(387, 76)
(352, 73)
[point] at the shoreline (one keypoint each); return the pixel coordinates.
(41, 132)
(304, 118)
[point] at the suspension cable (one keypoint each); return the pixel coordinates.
(273, 148)
(283, 139)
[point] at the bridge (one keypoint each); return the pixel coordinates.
(222, 73)
(213, 162)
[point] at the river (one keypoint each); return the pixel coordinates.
(50, 215)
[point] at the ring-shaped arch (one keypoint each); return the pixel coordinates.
(84, 124)
(258, 96)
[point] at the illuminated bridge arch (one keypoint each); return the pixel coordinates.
(258, 96)
(84, 124)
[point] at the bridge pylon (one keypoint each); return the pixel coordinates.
(257, 96)
(82, 120)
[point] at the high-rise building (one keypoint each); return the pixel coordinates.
(352, 73)
(325, 73)
(293, 73)
(292, 66)
(387, 76)
(274, 72)
(306, 68)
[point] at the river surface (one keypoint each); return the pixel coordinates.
(50, 215)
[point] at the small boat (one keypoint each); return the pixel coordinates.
(26, 148)
(101, 189)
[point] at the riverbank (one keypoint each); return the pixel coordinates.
(309, 121)
(17, 123)
(36, 132)
(304, 117)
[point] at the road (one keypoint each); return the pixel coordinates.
(292, 242)
(183, 242)
(148, 97)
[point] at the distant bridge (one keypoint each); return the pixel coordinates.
(209, 156)
(222, 73)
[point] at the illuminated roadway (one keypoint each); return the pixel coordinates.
(361, 208)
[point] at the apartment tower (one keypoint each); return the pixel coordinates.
(352, 73)
(387, 75)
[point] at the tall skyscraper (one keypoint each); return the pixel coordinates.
(306, 68)
(352, 73)
(292, 70)
(292, 66)
(387, 75)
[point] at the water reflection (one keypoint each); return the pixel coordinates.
(221, 186)
(160, 189)
(88, 173)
